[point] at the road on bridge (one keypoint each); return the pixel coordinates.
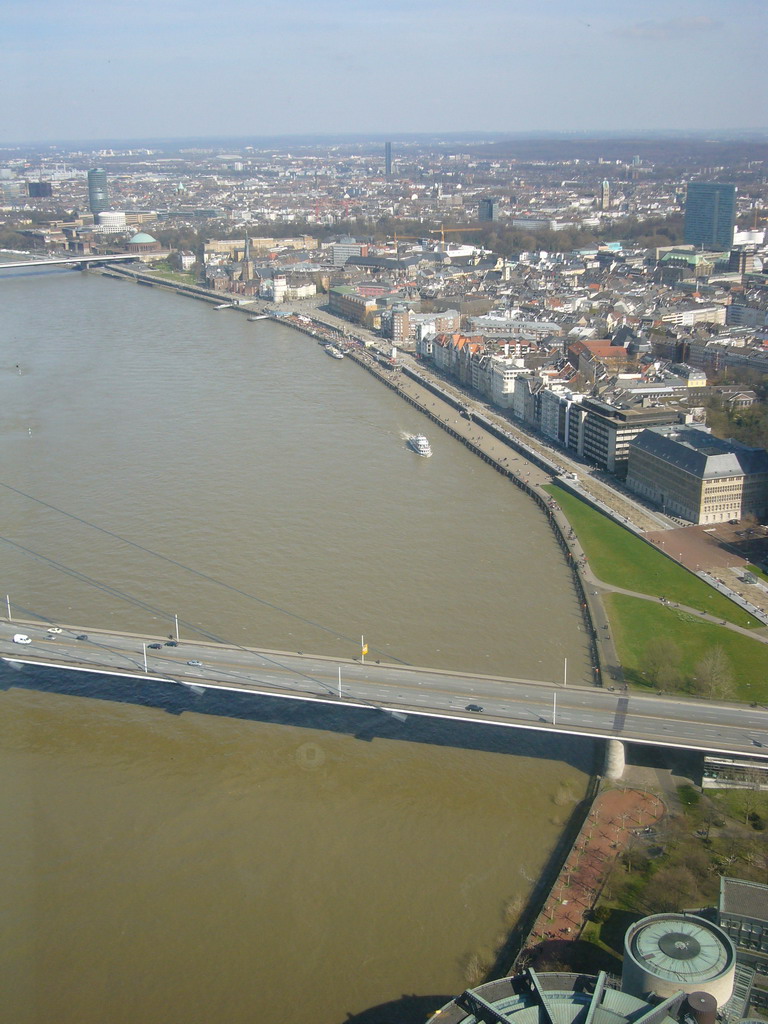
(519, 703)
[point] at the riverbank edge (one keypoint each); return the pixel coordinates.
(557, 858)
(556, 925)
(590, 604)
(562, 850)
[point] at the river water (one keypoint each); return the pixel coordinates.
(161, 458)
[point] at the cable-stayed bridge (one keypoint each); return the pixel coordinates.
(402, 690)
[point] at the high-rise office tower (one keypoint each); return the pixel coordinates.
(710, 214)
(98, 197)
(605, 195)
(488, 209)
(388, 159)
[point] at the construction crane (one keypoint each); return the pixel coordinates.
(443, 231)
(406, 238)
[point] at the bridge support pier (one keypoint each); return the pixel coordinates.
(613, 767)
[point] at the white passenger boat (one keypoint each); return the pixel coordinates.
(420, 445)
(333, 351)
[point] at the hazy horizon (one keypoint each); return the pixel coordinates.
(191, 70)
(470, 137)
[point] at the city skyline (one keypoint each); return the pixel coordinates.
(192, 70)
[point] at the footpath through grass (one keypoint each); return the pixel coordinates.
(636, 623)
(619, 558)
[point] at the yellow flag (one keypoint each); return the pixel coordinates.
(365, 649)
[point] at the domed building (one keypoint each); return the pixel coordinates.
(142, 242)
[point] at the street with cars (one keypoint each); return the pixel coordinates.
(522, 703)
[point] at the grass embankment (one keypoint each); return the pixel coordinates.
(636, 623)
(165, 272)
(641, 627)
(620, 558)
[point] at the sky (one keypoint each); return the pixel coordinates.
(141, 69)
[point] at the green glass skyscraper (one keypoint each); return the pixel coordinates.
(710, 215)
(98, 197)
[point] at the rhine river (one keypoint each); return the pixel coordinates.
(160, 458)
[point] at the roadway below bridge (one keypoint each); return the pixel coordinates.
(511, 702)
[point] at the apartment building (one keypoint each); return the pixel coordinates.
(354, 304)
(609, 429)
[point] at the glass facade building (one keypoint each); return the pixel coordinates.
(98, 197)
(710, 215)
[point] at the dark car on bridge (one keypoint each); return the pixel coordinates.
(474, 707)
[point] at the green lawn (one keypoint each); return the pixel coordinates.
(172, 275)
(635, 624)
(618, 557)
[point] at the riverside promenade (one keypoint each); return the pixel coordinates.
(614, 819)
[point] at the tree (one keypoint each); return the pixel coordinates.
(671, 889)
(713, 675)
(662, 662)
(751, 797)
(635, 856)
(698, 862)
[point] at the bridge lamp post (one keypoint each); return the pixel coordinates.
(146, 668)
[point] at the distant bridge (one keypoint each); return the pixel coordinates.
(73, 260)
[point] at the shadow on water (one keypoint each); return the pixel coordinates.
(418, 1009)
(365, 725)
(508, 952)
(19, 271)
(405, 1010)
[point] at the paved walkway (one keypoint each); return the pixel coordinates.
(614, 818)
(516, 464)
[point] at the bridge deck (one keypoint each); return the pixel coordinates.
(57, 261)
(511, 702)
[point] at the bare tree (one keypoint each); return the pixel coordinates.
(662, 660)
(750, 795)
(713, 675)
(671, 889)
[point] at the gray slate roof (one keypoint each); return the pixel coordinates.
(701, 454)
(747, 899)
